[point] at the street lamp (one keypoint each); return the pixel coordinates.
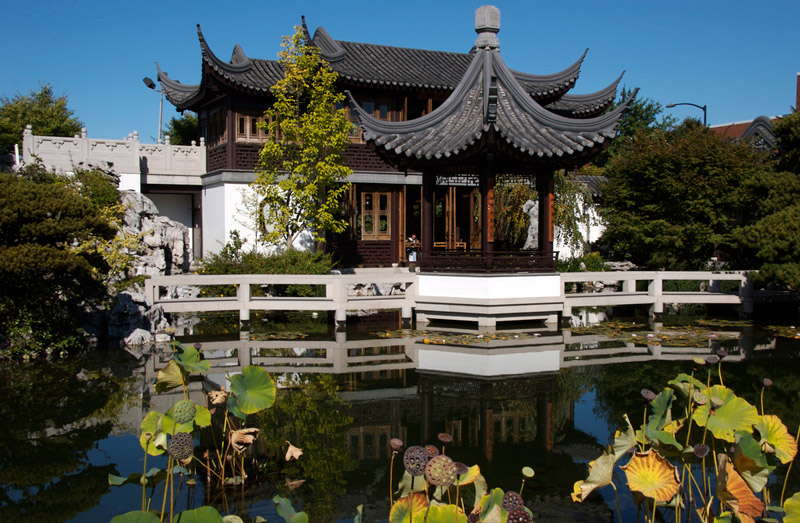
(152, 85)
(703, 107)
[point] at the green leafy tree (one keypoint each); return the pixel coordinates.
(640, 115)
(770, 240)
(183, 130)
(42, 109)
(674, 197)
(47, 275)
(302, 166)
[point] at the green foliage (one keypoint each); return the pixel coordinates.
(787, 131)
(641, 115)
(301, 172)
(234, 259)
(674, 197)
(47, 113)
(591, 262)
(183, 130)
(47, 274)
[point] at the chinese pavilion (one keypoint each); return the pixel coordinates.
(433, 134)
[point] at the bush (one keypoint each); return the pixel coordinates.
(591, 262)
(233, 259)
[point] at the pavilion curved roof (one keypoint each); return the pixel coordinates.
(362, 64)
(489, 111)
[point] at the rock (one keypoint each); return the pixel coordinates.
(139, 337)
(163, 338)
(620, 266)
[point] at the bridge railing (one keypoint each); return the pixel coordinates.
(343, 292)
(621, 288)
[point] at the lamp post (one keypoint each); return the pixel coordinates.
(152, 85)
(703, 107)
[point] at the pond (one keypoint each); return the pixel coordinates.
(546, 398)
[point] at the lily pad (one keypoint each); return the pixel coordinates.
(254, 390)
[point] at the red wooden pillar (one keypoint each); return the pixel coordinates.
(487, 213)
(428, 181)
(545, 190)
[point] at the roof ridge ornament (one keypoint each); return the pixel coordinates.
(487, 24)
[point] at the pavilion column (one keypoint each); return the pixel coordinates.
(544, 188)
(486, 188)
(428, 181)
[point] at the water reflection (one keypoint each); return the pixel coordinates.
(509, 399)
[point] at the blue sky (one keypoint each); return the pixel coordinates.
(740, 58)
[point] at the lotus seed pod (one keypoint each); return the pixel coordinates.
(432, 451)
(721, 352)
(181, 446)
(441, 471)
(701, 450)
(648, 395)
(699, 361)
(474, 517)
(699, 398)
(715, 402)
(767, 382)
(461, 468)
(445, 438)
(712, 360)
(512, 501)
(184, 411)
(396, 444)
(415, 459)
(518, 516)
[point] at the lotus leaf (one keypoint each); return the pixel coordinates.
(734, 414)
(136, 516)
(661, 410)
(751, 462)
(233, 408)
(153, 476)
(600, 471)
(473, 472)
(293, 452)
(491, 507)
(404, 487)
(232, 518)
(686, 384)
(792, 508)
(153, 440)
(409, 508)
(254, 390)
(170, 377)
(775, 433)
(204, 514)
(734, 492)
(202, 417)
(287, 511)
(189, 358)
(445, 514)
(623, 441)
(652, 476)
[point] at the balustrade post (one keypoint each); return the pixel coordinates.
(746, 295)
(243, 296)
(337, 291)
(629, 285)
(167, 153)
(84, 146)
(655, 289)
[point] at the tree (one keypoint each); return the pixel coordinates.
(770, 240)
(302, 166)
(674, 197)
(48, 114)
(183, 130)
(640, 115)
(49, 266)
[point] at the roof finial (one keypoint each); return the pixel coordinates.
(487, 24)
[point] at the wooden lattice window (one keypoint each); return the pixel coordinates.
(376, 216)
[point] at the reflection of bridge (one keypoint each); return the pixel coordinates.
(485, 299)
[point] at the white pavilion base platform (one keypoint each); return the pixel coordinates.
(489, 298)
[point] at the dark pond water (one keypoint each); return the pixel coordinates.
(525, 396)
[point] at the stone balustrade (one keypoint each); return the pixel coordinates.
(152, 163)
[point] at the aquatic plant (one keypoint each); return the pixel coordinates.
(432, 491)
(222, 422)
(702, 451)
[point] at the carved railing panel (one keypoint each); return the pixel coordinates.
(498, 261)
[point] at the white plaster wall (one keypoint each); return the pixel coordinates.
(591, 231)
(481, 286)
(485, 364)
(130, 182)
(214, 234)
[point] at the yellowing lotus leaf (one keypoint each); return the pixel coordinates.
(775, 435)
(652, 476)
(734, 492)
(734, 414)
(444, 514)
(470, 476)
(407, 507)
(600, 471)
(792, 508)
